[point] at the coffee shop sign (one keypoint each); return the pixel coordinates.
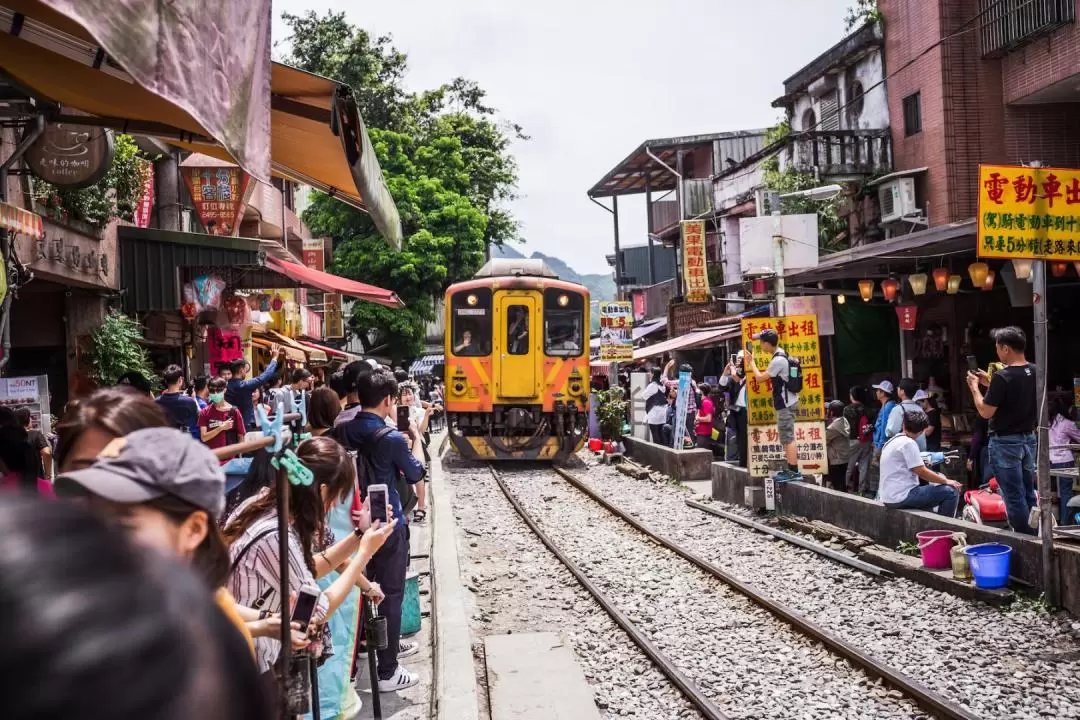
(55, 251)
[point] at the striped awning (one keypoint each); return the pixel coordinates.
(15, 219)
(426, 363)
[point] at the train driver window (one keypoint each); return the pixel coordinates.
(470, 315)
(564, 320)
(517, 330)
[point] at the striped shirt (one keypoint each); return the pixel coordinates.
(258, 573)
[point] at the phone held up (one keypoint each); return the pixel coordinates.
(973, 364)
(378, 499)
(403, 418)
(304, 610)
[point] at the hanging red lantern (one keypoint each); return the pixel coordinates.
(889, 286)
(277, 303)
(1058, 269)
(189, 311)
(941, 279)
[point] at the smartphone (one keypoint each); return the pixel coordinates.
(403, 418)
(306, 601)
(973, 363)
(734, 358)
(748, 348)
(378, 500)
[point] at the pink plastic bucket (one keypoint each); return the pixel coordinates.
(935, 546)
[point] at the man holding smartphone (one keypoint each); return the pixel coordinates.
(784, 401)
(384, 456)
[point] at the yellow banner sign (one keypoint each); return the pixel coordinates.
(1029, 213)
(762, 411)
(798, 337)
(764, 445)
(695, 270)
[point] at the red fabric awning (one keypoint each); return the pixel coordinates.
(331, 352)
(326, 282)
(693, 339)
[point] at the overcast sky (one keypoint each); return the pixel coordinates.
(591, 79)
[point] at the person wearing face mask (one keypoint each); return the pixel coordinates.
(220, 423)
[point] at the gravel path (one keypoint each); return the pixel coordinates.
(1013, 664)
(519, 586)
(751, 664)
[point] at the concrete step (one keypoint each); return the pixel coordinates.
(535, 676)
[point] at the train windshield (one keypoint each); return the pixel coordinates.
(564, 320)
(470, 322)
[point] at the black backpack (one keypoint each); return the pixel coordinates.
(794, 381)
(365, 472)
(657, 399)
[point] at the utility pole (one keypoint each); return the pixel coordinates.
(778, 249)
(1042, 463)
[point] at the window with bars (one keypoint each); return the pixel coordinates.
(912, 114)
(1010, 24)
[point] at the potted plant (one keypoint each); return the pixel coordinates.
(115, 350)
(611, 413)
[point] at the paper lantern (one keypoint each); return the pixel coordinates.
(276, 303)
(1022, 268)
(889, 286)
(918, 283)
(954, 284)
(988, 284)
(941, 279)
(1058, 269)
(978, 271)
(866, 289)
(1076, 264)
(841, 299)
(189, 310)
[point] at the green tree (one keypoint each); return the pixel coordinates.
(863, 11)
(447, 162)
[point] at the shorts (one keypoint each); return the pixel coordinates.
(785, 424)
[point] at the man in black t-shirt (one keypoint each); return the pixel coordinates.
(38, 443)
(1010, 406)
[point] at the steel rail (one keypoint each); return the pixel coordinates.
(686, 686)
(924, 696)
(793, 539)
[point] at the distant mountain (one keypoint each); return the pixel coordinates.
(601, 285)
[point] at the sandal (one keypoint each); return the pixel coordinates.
(418, 516)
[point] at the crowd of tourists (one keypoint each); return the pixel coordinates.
(141, 525)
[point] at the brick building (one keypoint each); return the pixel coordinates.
(1001, 89)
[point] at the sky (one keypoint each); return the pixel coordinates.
(590, 80)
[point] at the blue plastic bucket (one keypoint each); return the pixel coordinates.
(989, 564)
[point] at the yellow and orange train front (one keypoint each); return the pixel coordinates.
(517, 367)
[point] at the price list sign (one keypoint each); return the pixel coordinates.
(799, 339)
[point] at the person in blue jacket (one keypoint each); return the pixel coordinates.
(886, 395)
(239, 388)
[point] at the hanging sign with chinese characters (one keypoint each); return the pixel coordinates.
(764, 445)
(315, 254)
(145, 207)
(616, 331)
(908, 316)
(333, 319)
(219, 194)
(695, 272)
(799, 339)
(1029, 213)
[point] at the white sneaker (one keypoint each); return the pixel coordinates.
(407, 648)
(402, 679)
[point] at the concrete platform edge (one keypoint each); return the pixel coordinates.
(454, 688)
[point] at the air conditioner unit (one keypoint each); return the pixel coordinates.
(897, 199)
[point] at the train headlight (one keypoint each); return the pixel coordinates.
(564, 300)
(575, 387)
(459, 387)
(472, 299)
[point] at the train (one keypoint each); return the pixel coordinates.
(517, 363)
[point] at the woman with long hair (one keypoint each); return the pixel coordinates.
(92, 422)
(252, 535)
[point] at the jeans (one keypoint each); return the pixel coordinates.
(928, 497)
(388, 567)
(1012, 458)
(1065, 493)
(858, 462)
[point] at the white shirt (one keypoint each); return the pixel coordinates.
(779, 367)
(657, 415)
(899, 458)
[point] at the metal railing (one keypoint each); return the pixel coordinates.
(1010, 24)
(839, 153)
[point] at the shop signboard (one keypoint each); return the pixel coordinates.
(315, 254)
(799, 339)
(31, 392)
(764, 445)
(820, 305)
(143, 211)
(1029, 213)
(695, 271)
(220, 195)
(333, 318)
(71, 156)
(616, 331)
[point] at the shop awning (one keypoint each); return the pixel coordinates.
(268, 340)
(648, 328)
(140, 68)
(17, 220)
(334, 283)
(689, 340)
(331, 353)
(426, 363)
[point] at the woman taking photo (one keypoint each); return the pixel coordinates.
(252, 535)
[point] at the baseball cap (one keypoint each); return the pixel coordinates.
(768, 335)
(884, 386)
(920, 395)
(151, 463)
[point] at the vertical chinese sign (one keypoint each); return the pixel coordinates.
(219, 194)
(695, 272)
(333, 318)
(1029, 213)
(616, 331)
(145, 207)
(315, 253)
(799, 338)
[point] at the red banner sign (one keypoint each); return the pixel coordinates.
(145, 207)
(639, 306)
(315, 254)
(219, 194)
(908, 316)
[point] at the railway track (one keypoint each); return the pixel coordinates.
(787, 631)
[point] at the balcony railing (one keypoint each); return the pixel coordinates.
(839, 153)
(1010, 24)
